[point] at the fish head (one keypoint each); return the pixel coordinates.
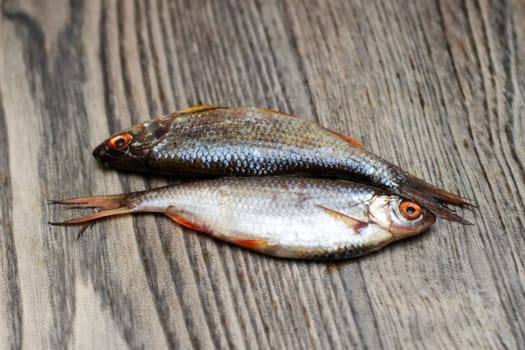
(403, 218)
(129, 149)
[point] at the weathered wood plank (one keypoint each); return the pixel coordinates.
(435, 86)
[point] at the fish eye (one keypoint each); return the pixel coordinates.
(410, 210)
(120, 141)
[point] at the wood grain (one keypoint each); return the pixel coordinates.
(435, 86)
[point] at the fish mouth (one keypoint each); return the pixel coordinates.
(428, 220)
(111, 158)
(103, 155)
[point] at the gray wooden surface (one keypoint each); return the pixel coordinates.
(435, 86)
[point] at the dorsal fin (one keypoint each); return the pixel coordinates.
(196, 109)
(348, 139)
(344, 137)
(274, 111)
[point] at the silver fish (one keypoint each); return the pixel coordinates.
(287, 217)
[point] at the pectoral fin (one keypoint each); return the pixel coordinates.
(355, 224)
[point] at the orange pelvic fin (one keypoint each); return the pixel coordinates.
(196, 109)
(254, 244)
(189, 224)
(348, 139)
(356, 225)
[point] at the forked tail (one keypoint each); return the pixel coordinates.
(433, 198)
(110, 205)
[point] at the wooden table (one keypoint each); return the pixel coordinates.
(434, 86)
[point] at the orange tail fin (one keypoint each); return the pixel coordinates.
(105, 202)
(111, 205)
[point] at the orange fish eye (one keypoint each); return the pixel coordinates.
(410, 210)
(120, 141)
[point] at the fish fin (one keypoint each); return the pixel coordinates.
(437, 192)
(274, 111)
(347, 138)
(197, 109)
(103, 202)
(443, 212)
(336, 266)
(433, 205)
(433, 198)
(254, 244)
(92, 217)
(344, 137)
(111, 205)
(355, 224)
(187, 223)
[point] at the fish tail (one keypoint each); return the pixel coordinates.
(103, 202)
(438, 193)
(443, 211)
(438, 206)
(111, 205)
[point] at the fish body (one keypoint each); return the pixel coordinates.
(212, 141)
(289, 217)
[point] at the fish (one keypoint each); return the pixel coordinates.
(282, 216)
(214, 141)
